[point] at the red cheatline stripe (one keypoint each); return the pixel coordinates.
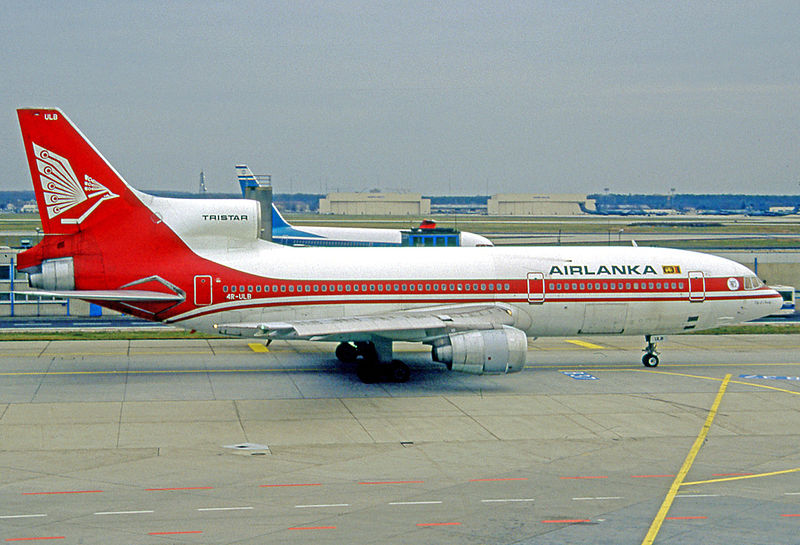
(565, 521)
(729, 474)
(439, 524)
(313, 528)
(181, 488)
(685, 518)
(65, 492)
(33, 538)
(587, 477)
(174, 533)
(791, 515)
(493, 480)
(650, 476)
(300, 484)
(391, 482)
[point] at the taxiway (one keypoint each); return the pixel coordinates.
(223, 442)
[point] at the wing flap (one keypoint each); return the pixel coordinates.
(407, 325)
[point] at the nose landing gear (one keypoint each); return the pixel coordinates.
(650, 358)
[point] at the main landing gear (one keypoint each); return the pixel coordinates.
(374, 361)
(650, 358)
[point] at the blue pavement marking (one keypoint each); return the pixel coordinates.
(579, 375)
(769, 377)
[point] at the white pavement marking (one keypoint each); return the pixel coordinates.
(22, 516)
(697, 495)
(123, 512)
(322, 505)
(223, 508)
(791, 494)
(599, 498)
(414, 502)
(504, 500)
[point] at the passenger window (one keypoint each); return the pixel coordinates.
(452, 287)
(233, 289)
(339, 288)
(283, 289)
(224, 289)
(380, 287)
(291, 289)
(467, 287)
(583, 286)
(316, 288)
(241, 288)
(324, 287)
(508, 287)
(347, 287)
(355, 287)
(250, 289)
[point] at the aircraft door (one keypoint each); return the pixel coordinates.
(697, 287)
(535, 287)
(202, 290)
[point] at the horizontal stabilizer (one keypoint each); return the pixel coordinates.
(112, 295)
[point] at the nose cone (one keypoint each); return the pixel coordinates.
(775, 301)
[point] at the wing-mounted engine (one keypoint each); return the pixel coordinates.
(490, 351)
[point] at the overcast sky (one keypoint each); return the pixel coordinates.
(432, 97)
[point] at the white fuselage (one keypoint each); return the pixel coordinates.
(553, 290)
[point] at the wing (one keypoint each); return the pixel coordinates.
(410, 325)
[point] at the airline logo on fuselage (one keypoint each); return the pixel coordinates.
(593, 270)
(60, 186)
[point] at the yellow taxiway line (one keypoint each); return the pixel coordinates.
(687, 465)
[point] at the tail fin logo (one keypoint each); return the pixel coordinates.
(61, 189)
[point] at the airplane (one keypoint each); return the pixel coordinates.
(296, 235)
(199, 264)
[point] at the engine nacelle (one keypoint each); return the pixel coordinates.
(54, 275)
(491, 351)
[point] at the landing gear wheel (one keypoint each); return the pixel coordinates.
(398, 371)
(650, 360)
(346, 353)
(367, 372)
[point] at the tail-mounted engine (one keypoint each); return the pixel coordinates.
(54, 275)
(491, 351)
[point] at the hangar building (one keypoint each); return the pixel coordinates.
(529, 204)
(378, 204)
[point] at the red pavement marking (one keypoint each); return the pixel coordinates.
(180, 488)
(392, 482)
(493, 480)
(685, 518)
(439, 524)
(174, 533)
(791, 515)
(65, 492)
(565, 521)
(33, 538)
(313, 528)
(299, 484)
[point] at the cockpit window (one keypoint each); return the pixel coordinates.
(752, 282)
